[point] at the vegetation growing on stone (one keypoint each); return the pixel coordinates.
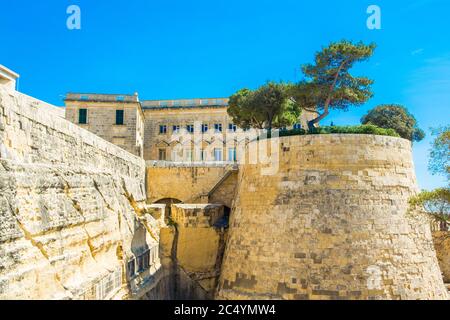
(361, 129)
(328, 83)
(395, 117)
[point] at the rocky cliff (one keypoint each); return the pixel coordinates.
(71, 219)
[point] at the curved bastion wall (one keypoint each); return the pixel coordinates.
(331, 223)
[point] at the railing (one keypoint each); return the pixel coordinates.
(101, 97)
(184, 103)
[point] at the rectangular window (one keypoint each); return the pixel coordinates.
(217, 154)
(204, 127)
(232, 154)
(232, 127)
(82, 116)
(131, 268)
(188, 155)
(140, 263)
(162, 154)
(190, 128)
(120, 98)
(119, 117)
(162, 129)
(146, 260)
(218, 127)
(176, 129)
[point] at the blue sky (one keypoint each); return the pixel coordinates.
(204, 48)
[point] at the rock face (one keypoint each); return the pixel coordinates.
(70, 217)
(331, 223)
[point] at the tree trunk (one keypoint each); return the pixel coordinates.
(326, 110)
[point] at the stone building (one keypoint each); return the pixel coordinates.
(82, 218)
(116, 118)
(183, 130)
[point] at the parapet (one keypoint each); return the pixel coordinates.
(96, 97)
(8, 78)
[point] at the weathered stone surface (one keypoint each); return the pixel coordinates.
(332, 223)
(441, 241)
(70, 209)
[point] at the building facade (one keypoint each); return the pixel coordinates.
(118, 119)
(183, 130)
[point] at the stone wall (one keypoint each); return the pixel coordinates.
(190, 183)
(71, 209)
(442, 245)
(101, 120)
(331, 223)
(192, 250)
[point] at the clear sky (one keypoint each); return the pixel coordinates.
(205, 48)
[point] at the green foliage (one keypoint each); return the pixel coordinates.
(328, 83)
(436, 202)
(362, 129)
(440, 152)
(395, 117)
(267, 107)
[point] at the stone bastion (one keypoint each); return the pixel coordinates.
(331, 223)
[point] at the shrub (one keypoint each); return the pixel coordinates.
(395, 117)
(361, 129)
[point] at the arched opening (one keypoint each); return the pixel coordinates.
(224, 222)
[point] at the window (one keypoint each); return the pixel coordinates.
(84, 97)
(202, 155)
(176, 129)
(190, 128)
(162, 154)
(218, 127)
(204, 127)
(146, 258)
(232, 154)
(119, 117)
(131, 268)
(232, 127)
(297, 126)
(217, 154)
(82, 116)
(188, 154)
(120, 98)
(162, 129)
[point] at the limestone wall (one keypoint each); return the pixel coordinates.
(70, 215)
(190, 183)
(192, 250)
(101, 120)
(442, 245)
(332, 223)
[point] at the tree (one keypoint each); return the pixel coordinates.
(440, 152)
(328, 83)
(395, 117)
(436, 203)
(267, 107)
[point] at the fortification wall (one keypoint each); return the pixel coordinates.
(442, 245)
(190, 183)
(70, 215)
(332, 223)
